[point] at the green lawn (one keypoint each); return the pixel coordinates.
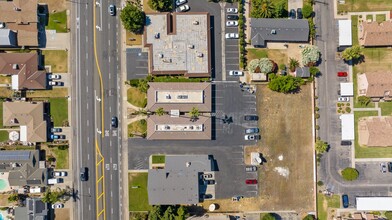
(380, 18)
(158, 159)
(354, 29)
(332, 202)
(365, 5)
(137, 128)
(58, 22)
(59, 110)
(369, 17)
(136, 98)
(3, 136)
(386, 108)
(58, 59)
(138, 196)
(61, 158)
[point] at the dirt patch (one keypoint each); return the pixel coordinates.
(227, 205)
(376, 59)
(248, 150)
(55, 5)
(62, 214)
(133, 39)
(286, 179)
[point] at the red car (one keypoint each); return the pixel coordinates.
(253, 181)
(342, 74)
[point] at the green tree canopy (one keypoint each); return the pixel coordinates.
(307, 10)
(160, 5)
(268, 216)
(293, 64)
(309, 217)
(143, 85)
(285, 84)
(352, 53)
(310, 54)
(321, 146)
(262, 9)
(314, 70)
(133, 18)
(350, 174)
(280, 10)
(13, 197)
(388, 215)
(195, 112)
(160, 111)
(168, 213)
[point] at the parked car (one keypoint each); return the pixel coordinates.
(236, 198)
(232, 10)
(183, 8)
(84, 174)
(343, 99)
(57, 206)
(390, 167)
(232, 17)
(56, 130)
(251, 181)
(231, 23)
(236, 73)
(207, 175)
(231, 36)
(345, 143)
(114, 122)
(55, 83)
(250, 168)
(112, 10)
(345, 201)
(56, 136)
(342, 74)
(210, 182)
(180, 2)
(207, 196)
(251, 118)
(292, 14)
(299, 13)
(252, 137)
(383, 167)
(252, 130)
(62, 173)
(54, 76)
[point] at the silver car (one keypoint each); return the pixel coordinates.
(343, 99)
(252, 130)
(183, 8)
(231, 23)
(236, 73)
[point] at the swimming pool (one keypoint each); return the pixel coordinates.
(1, 216)
(3, 185)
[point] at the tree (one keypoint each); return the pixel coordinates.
(266, 65)
(252, 65)
(267, 9)
(280, 10)
(168, 215)
(285, 84)
(307, 11)
(268, 216)
(352, 53)
(155, 213)
(53, 196)
(350, 174)
(133, 18)
(160, 5)
(388, 215)
(310, 55)
(160, 111)
(13, 197)
(143, 85)
(309, 217)
(314, 71)
(364, 100)
(181, 213)
(321, 146)
(293, 64)
(195, 113)
(256, 9)
(312, 28)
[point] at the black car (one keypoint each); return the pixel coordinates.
(114, 122)
(232, 17)
(84, 174)
(390, 167)
(345, 201)
(251, 118)
(292, 14)
(345, 143)
(299, 13)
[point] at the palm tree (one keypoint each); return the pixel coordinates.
(267, 9)
(160, 111)
(194, 113)
(293, 64)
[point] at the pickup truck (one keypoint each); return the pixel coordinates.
(55, 181)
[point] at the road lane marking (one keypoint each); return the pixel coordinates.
(86, 56)
(87, 89)
(88, 139)
(87, 105)
(88, 123)
(88, 158)
(109, 42)
(86, 39)
(89, 207)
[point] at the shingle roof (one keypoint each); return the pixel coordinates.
(35, 209)
(278, 30)
(379, 84)
(374, 34)
(375, 131)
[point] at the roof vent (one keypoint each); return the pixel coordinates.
(157, 35)
(161, 55)
(199, 54)
(188, 164)
(273, 31)
(168, 96)
(15, 66)
(195, 22)
(17, 9)
(2, 24)
(191, 46)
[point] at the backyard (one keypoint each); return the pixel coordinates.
(59, 111)
(57, 59)
(138, 197)
(278, 56)
(58, 22)
(365, 5)
(136, 98)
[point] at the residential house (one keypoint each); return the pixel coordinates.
(375, 131)
(20, 17)
(178, 99)
(30, 117)
(373, 34)
(264, 30)
(179, 44)
(179, 182)
(24, 70)
(35, 209)
(376, 85)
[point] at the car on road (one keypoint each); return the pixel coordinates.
(342, 74)
(292, 14)
(232, 17)
(55, 83)
(252, 137)
(250, 168)
(343, 99)
(56, 130)
(252, 130)
(251, 181)
(232, 10)
(299, 13)
(183, 8)
(56, 136)
(57, 206)
(180, 2)
(390, 167)
(383, 167)
(345, 143)
(231, 36)
(58, 173)
(251, 118)
(345, 201)
(231, 23)
(54, 76)
(236, 73)
(84, 174)
(114, 122)
(112, 10)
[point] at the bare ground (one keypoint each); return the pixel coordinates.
(55, 5)
(62, 214)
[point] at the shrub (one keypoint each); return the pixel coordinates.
(309, 217)
(350, 174)
(339, 104)
(348, 109)
(348, 104)
(268, 216)
(339, 111)
(316, 109)
(317, 116)
(307, 10)
(63, 147)
(317, 127)
(320, 183)
(388, 215)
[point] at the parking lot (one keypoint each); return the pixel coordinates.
(137, 63)
(231, 46)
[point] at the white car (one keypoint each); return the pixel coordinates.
(231, 23)
(343, 99)
(55, 83)
(60, 173)
(252, 137)
(180, 2)
(232, 10)
(236, 73)
(183, 8)
(54, 76)
(231, 36)
(57, 206)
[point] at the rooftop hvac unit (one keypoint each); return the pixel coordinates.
(157, 35)
(199, 54)
(195, 22)
(273, 31)
(191, 46)
(2, 24)
(168, 96)
(15, 66)
(167, 127)
(160, 55)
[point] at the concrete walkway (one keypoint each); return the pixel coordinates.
(376, 108)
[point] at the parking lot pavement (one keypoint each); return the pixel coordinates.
(231, 48)
(65, 78)
(369, 172)
(137, 63)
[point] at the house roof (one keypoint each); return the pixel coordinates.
(21, 16)
(375, 131)
(35, 209)
(375, 34)
(375, 84)
(179, 96)
(302, 72)
(30, 114)
(179, 43)
(278, 30)
(178, 182)
(25, 65)
(166, 127)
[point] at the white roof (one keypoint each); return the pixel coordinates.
(23, 133)
(15, 82)
(347, 121)
(374, 203)
(346, 89)
(345, 37)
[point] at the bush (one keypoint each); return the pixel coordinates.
(339, 104)
(63, 147)
(317, 116)
(348, 109)
(309, 217)
(317, 127)
(134, 82)
(268, 216)
(307, 10)
(316, 109)
(320, 183)
(388, 215)
(282, 66)
(350, 174)
(160, 5)
(339, 111)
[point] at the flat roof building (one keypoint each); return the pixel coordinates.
(345, 35)
(347, 89)
(347, 124)
(374, 203)
(179, 43)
